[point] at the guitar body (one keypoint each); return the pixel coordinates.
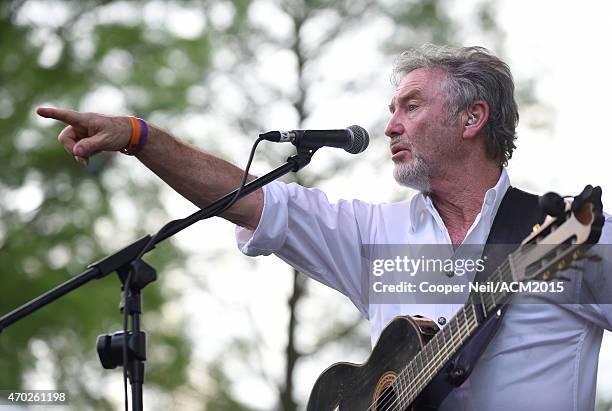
(346, 386)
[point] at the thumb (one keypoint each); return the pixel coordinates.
(88, 146)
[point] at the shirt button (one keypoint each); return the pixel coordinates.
(441, 320)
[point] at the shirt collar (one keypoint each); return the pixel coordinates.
(421, 203)
(418, 206)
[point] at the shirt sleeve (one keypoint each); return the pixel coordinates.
(320, 239)
(596, 287)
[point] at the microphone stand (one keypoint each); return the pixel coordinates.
(125, 262)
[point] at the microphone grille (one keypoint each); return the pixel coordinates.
(360, 140)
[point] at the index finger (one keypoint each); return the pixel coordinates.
(67, 116)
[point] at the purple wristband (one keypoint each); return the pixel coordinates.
(144, 133)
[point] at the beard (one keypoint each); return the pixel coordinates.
(414, 175)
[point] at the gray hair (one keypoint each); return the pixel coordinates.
(472, 73)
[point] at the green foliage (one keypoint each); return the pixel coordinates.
(418, 22)
(223, 399)
(55, 216)
(604, 405)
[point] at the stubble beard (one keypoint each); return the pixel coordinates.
(413, 175)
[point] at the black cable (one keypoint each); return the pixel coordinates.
(244, 178)
(152, 242)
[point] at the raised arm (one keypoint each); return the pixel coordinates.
(198, 176)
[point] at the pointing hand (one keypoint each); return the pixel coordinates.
(89, 133)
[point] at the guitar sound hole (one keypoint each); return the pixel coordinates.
(387, 401)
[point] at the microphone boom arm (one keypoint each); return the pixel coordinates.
(121, 260)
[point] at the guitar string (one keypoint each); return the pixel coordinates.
(401, 398)
(436, 358)
(499, 273)
(422, 376)
(467, 325)
(440, 354)
(463, 331)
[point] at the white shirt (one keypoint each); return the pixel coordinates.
(544, 357)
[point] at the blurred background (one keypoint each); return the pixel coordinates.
(227, 332)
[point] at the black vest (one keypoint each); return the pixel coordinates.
(517, 214)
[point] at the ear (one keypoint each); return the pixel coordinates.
(475, 118)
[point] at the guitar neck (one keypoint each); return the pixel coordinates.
(484, 301)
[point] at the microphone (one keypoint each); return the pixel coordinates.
(353, 139)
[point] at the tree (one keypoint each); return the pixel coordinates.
(55, 216)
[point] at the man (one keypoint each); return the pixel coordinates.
(452, 130)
